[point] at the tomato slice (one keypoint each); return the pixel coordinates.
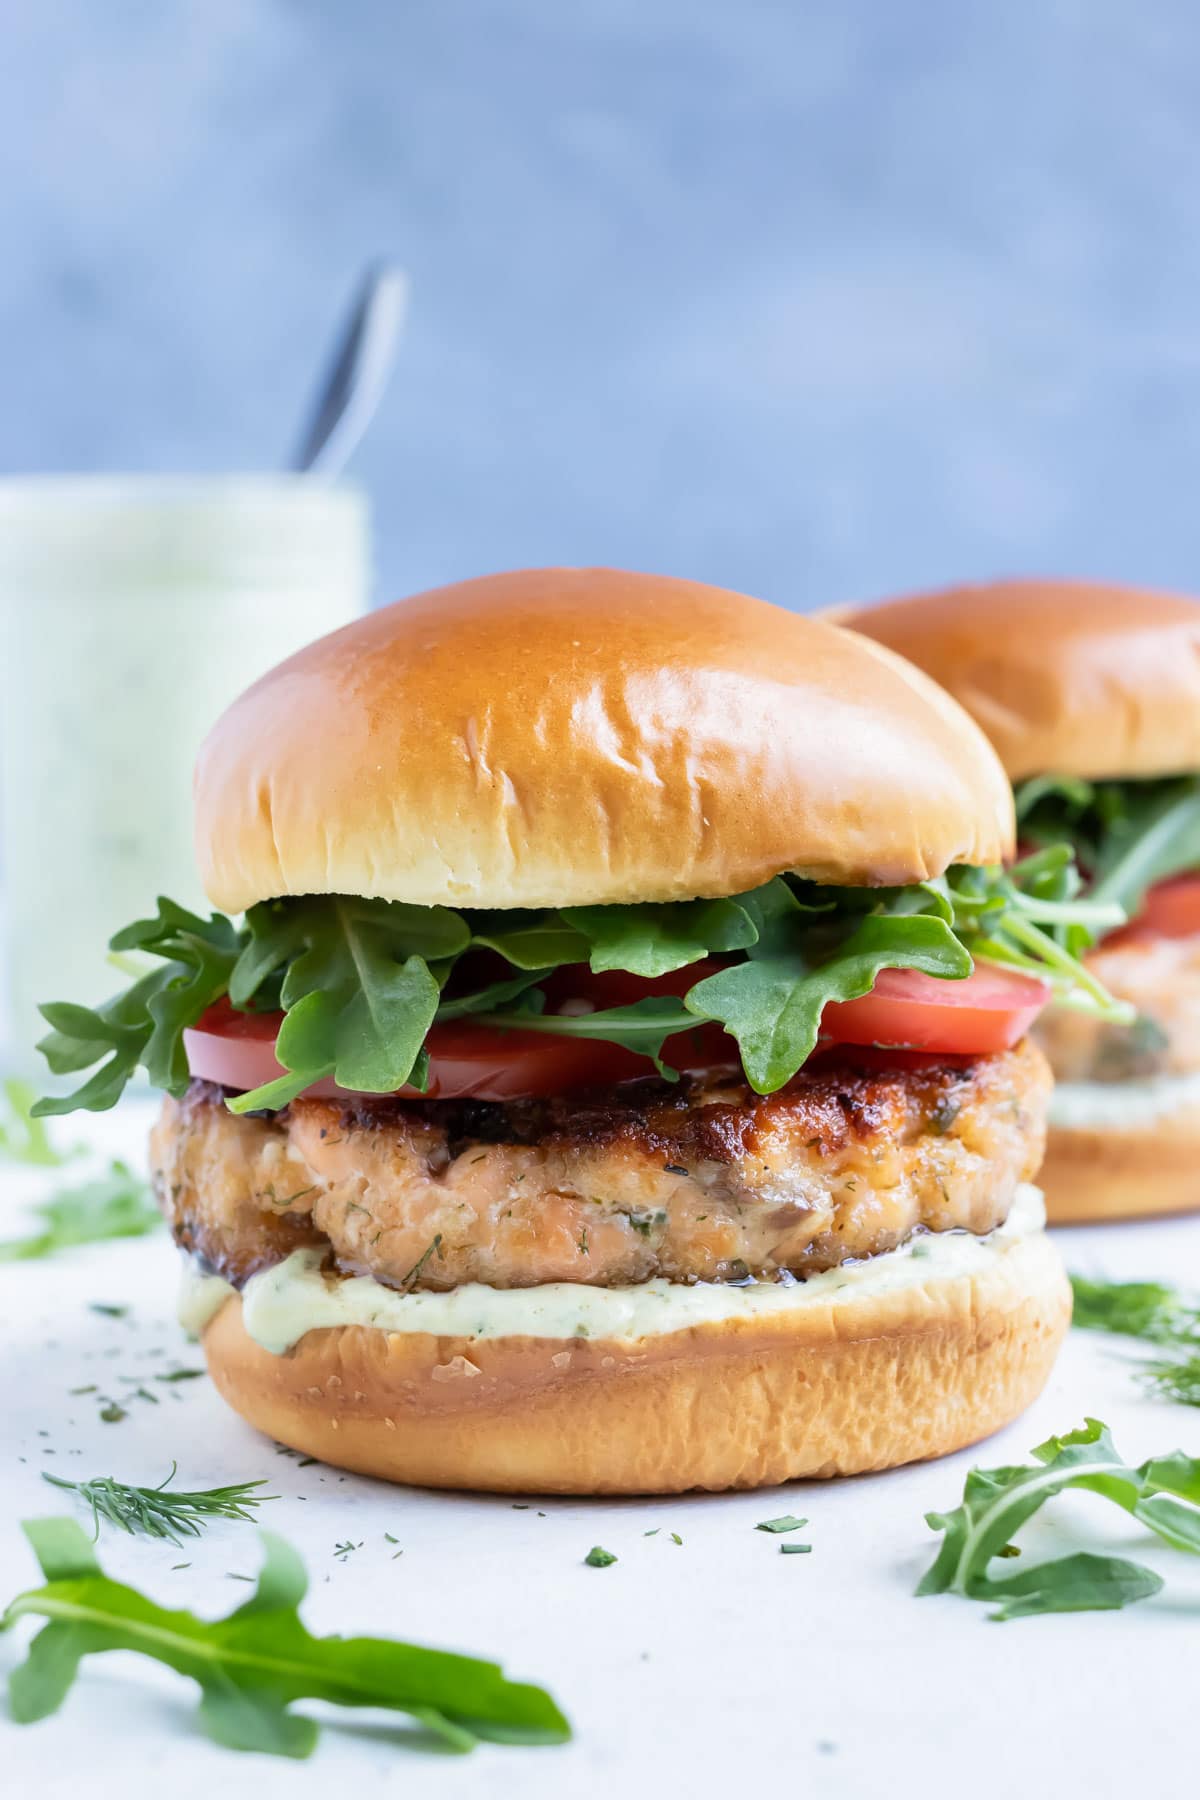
(986, 1012)
(1171, 909)
(472, 1061)
(906, 1011)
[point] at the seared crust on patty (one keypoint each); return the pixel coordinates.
(1158, 975)
(705, 1181)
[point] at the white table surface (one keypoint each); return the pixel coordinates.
(703, 1667)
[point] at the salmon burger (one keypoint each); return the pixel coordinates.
(609, 1069)
(1091, 695)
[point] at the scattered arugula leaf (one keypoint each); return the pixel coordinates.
(23, 1137)
(789, 1522)
(254, 1664)
(116, 1204)
(1162, 1494)
(599, 1558)
(112, 1413)
(159, 1514)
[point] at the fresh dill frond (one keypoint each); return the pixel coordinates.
(1174, 1379)
(1142, 1309)
(157, 1513)
(1156, 1314)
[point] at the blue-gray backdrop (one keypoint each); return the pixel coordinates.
(816, 298)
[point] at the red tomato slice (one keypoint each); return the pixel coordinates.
(468, 1060)
(987, 1012)
(1171, 909)
(905, 1010)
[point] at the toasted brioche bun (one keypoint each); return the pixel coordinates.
(572, 736)
(1069, 677)
(1091, 1173)
(833, 1388)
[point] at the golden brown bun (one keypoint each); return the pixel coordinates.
(827, 1390)
(1069, 677)
(564, 736)
(1091, 1174)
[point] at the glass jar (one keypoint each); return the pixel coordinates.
(134, 609)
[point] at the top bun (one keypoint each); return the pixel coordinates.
(561, 737)
(1066, 677)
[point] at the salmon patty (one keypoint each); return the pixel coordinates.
(1161, 977)
(706, 1181)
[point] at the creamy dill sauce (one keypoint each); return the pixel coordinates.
(282, 1303)
(1122, 1105)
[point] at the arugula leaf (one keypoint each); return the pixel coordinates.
(23, 1137)
(357, 990)
(145, 1024)
(644, 1026)
(116, 1204)
(487, 999)
(1157, 836)
(360, 982)
(529, 940)
(772, 1003)
(1128, 834)
(656, 940)
(254, 1664)
(1162, 1494)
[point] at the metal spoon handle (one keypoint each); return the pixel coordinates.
(358, 373)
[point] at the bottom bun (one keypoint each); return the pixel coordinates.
(1095, 1172)
(835, 1386)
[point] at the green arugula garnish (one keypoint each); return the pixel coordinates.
(772, 1003)
(116, 1204)
(360, 982)
(1127, 834)
(23, 1137)
(254, 1664)
(1156, 1314)
(356, 985)
(144, 1024)
(157, 1513)
(599, 1558)
(1162, 1494)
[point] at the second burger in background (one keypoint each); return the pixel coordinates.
(1091, 696)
